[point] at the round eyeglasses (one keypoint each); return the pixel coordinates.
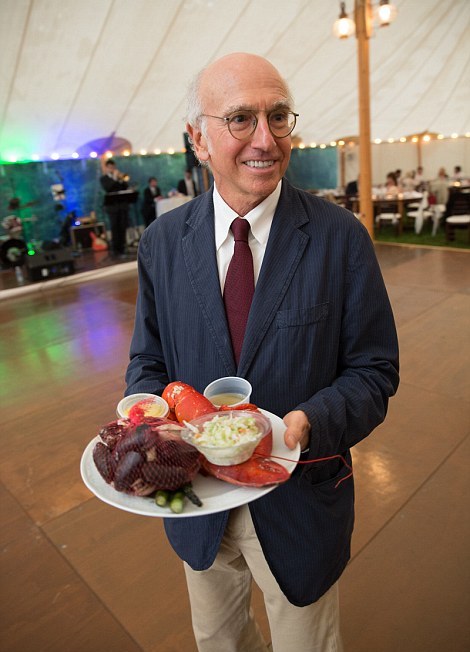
(242, 124)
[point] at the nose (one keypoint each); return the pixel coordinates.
(262, 137)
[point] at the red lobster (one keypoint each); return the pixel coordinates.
(187, 404)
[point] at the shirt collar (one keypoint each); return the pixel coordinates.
(260, 217)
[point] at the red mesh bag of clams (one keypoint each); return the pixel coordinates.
(144, 457)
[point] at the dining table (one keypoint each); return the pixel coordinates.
(390, 203)
(169, 203)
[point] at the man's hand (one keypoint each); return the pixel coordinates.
(298, 429)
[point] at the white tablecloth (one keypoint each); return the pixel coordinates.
(165, 205)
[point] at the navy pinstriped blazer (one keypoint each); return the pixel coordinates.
(320, 338)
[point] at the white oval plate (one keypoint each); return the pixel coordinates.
(216, 495)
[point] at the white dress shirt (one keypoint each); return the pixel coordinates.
(260, 219)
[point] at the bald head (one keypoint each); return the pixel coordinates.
(216, 78)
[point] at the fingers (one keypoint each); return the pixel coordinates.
(298, 429)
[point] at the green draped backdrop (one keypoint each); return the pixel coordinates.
(31, 182)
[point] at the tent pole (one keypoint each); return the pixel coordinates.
(342, 167)
(362, 9)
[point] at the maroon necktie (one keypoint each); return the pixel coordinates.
(239, 285)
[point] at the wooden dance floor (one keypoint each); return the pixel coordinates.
(78, 575)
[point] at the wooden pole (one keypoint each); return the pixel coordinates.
(362, 20)
(342, 167)
(420, 158)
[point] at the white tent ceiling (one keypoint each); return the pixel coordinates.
(76, 70)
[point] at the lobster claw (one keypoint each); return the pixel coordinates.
(255, 472)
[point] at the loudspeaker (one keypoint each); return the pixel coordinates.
(50, 264)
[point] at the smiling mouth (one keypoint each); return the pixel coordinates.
(259, 164)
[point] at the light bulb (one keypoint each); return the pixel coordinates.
(343, 26)
(386, 13)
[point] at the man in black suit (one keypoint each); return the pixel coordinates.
(113, 182)
(151, 194)
(187, 186)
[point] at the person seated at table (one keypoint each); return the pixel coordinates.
(420, 181)
(458, 174)
(439, 187)
(408, 181)
(151, 194)
(391, 185)
(442, 174)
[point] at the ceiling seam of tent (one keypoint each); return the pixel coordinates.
(450, 29)
(149, 67)
(382, 80)
(183, 101)
(84, 76)
(462, 41)
(287, 27)
(15, 70)
(334, 102)
(311, 54)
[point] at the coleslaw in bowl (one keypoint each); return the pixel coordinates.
(228, 437)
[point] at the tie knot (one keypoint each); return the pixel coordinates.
(240, 229)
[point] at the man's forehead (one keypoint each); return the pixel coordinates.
(281, 103)
(243, 86)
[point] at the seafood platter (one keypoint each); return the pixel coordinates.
(198, 459)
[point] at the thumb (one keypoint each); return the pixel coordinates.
(290, 440)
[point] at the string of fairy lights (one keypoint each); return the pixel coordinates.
(297, 144)
(56, 156)
(422, 138)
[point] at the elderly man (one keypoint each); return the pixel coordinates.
(319, 349)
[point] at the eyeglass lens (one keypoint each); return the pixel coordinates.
(243, 123)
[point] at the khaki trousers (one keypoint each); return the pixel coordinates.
(220, 598)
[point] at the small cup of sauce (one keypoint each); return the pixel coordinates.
(230, 390)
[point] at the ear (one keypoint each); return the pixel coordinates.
(199, 142)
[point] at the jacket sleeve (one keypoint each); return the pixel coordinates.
(146, 371)
(367, 369)
(111, 185)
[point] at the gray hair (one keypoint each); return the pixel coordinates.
(194, 110)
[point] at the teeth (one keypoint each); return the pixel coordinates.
(259, 164)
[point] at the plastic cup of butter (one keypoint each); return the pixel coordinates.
(230, 390)
(153, 406)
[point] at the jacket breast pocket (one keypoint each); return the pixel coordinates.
(302, 316)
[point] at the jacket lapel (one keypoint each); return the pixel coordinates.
(286, 245)
(201, 263)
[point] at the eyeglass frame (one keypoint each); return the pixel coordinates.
(253, 113)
